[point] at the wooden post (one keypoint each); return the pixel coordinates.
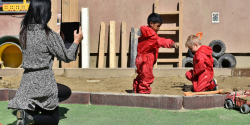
(112, 53)
(65, 18)
(70, 14)
(124, 46)
(85, 42)
(74, 18)
(65, 10)
(53, 25)
(156, 6)
(180, 31)
(101, 46)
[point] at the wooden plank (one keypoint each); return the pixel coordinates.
(112, 53)
(65, 10)
(124, 46)
(65, 18)
(85, 42)
(168, 60)
(166, 50)
(156, 6)
(168, 12)
(53, 25)
(74, 18)
(101, 46)
(180, 31)
(169, 28)
(74, 11)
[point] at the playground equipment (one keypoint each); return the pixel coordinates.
(10, 51)
(11, 55)
(16, 7)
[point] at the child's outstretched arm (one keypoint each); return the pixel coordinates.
(166, 43)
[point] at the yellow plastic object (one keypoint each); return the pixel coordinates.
(16, 7)
(11, 55)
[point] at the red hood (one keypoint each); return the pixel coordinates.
(147, 31)
(206, 50)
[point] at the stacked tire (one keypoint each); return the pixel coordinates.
(221, 59)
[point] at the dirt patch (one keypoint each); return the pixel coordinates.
(168, 85)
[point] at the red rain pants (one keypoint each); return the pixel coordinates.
(145, 77)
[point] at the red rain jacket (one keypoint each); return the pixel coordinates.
(203, 68)
(203, 61)
(150, 42)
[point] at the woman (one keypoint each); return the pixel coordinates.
(38, 89)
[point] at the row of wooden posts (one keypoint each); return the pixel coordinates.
(112, 46)
(70, 14)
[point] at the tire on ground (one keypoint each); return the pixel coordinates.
(218, 47)
(216, 63)
(244, 109)
(227, 61)
(190, 53)
(228, 104)
(187, 62)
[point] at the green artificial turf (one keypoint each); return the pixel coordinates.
(75, 114)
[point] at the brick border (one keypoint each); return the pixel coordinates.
(78, 98)
(170, 102)
(4, 94)
(137, 100)
(203, 101)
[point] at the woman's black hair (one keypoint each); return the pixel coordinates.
(39, 13)
(155, 18)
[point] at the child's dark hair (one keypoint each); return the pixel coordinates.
(155, 18)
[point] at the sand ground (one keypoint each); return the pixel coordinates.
(168, 85)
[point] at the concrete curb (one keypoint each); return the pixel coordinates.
(170, 102)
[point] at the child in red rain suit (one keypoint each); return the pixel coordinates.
(202, 74)
(147, 53)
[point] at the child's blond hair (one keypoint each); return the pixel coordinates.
(192, 39)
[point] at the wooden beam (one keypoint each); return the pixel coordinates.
(168, 12)
(168, 60)
(65, 10)
(180, 31)
(112, 52)
(70, 14)
(169, 28)
(65, 18)
(74, 18)
(101, 46)
(53, 25)
(156, 6)
(124, 46)
(74, 11)
(166, 50)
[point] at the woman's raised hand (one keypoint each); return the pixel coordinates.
(78, 37)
